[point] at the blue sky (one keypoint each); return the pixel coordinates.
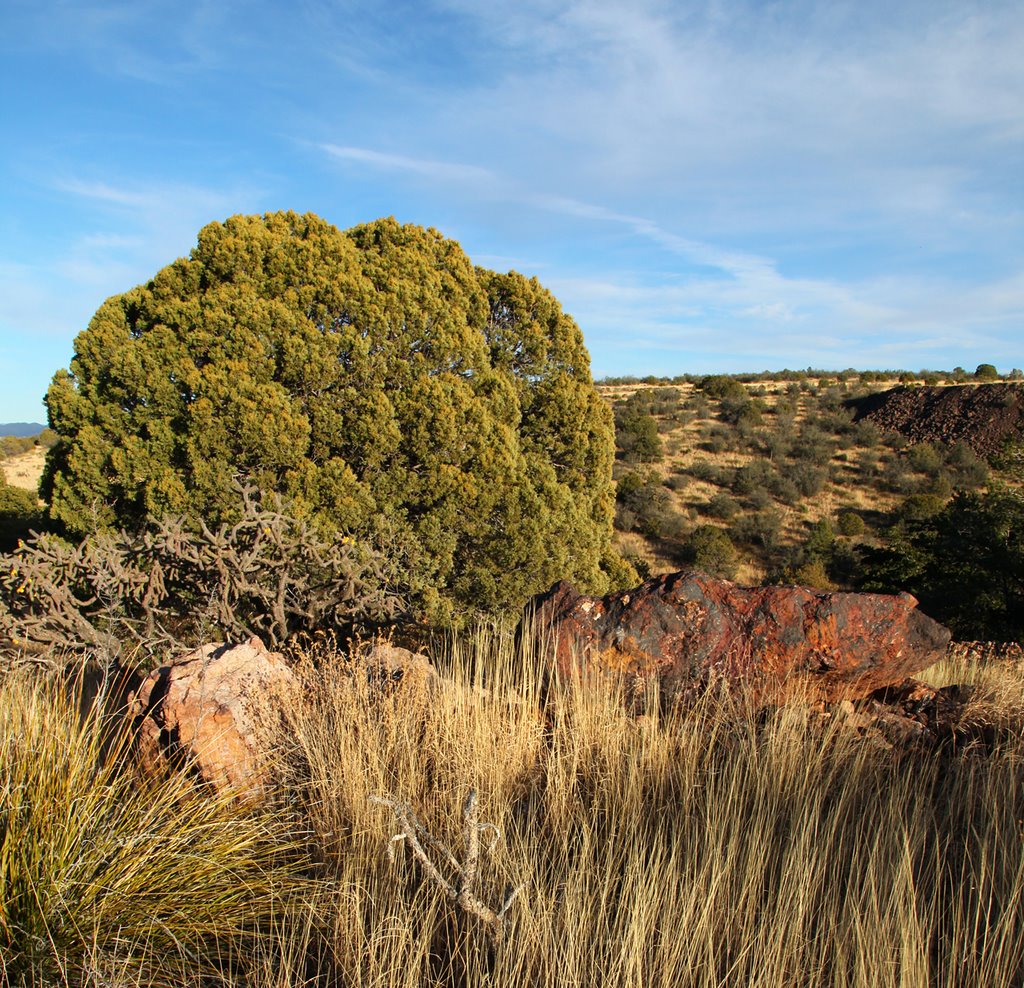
(715, 186)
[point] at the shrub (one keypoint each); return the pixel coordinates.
(721, 386)
(850, 523)
(720, 439)
(812, 573)
(269, 574)
(820, 539)
(762, 528)
(20, 514)
(964, 561)
(98, 870)
(711, 474)
(375, 378)
(814, 446)
(866, 433)
(756, 475)
(723, 506)
(919, 507)
(925, 458)
(896, 477)
(969, 468)
(645, 506)
(741, 410)
(637, 436)
(809, 479)
(786, 491)
(711, 550)
(677, 481)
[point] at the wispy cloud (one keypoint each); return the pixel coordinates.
(442, 171)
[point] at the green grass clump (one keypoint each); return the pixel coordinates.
(108, 878)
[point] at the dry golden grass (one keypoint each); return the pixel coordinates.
(715, 846)
(718, 846)
(25, 469)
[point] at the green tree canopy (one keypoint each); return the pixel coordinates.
(377, 379)
(964, 562)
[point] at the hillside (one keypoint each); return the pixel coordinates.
(24, 469)
(777, 467)
(21, 429)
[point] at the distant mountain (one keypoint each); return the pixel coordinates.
(21, 429)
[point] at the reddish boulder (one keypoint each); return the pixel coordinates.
(689, 629)
(214, 711)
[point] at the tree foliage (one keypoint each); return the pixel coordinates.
(375, 378)
(964, 563)
(19, 514)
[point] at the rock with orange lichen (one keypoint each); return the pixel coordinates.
(686, 630)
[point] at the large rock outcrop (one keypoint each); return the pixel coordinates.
(689, 629)
(982, 416)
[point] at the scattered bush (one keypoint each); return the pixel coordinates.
(20, 514)
(710, 549)
(925, 458)
(677, 481)
(964, 562)
(723, 506)
(850, 523)
(867, 434)
(920, 507)
(645, 506)
(711, 473)
(756, 475)
(762, 528)
(720, 386)
(814, 446)
(809, 479)
(636, 434)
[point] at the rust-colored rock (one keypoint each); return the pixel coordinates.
(213, 711)
(689, 629)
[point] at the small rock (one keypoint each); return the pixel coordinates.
(214, 711)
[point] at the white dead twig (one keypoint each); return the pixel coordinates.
(460, 889)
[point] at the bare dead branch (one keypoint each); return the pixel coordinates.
(269, 573)
(460, 888)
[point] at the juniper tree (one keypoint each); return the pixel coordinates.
(375, 378)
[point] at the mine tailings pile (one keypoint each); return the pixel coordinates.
(983, 416)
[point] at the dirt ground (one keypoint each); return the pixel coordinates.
(25, 469)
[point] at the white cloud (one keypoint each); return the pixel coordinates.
(441, 171)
